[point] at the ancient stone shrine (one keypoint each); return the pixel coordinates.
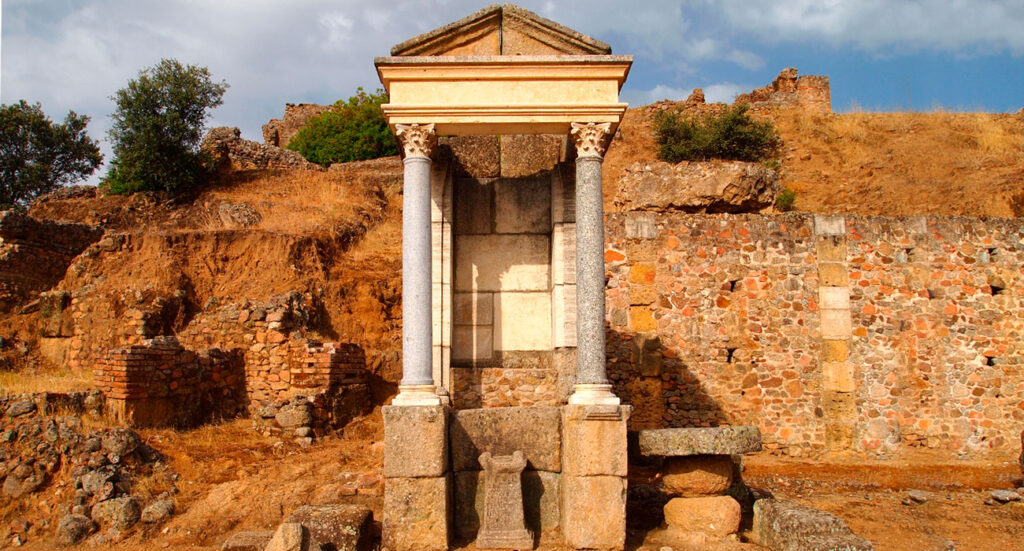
(503, 119)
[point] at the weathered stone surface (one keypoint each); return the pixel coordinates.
(345, 527)
(595, 440)
(528, 155)
(540, 502)
(120, 513)
(523, 205)
(158, 511)
(594, 512)
(415, 441)
(290, 536)
(533, 430)
(23, 407)
(417, 513)
(120, 441)
(73, 528)
(1021, 459)
(700, 475)
(700, 441)
(503, 525)
(247, 541)
(295, 415)
(718, 186)
(783, 525)
(473, 156)
(716, 516)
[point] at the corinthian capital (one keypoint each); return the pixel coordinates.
(417, 140)
(591, 138)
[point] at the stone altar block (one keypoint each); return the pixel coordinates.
(503, 525)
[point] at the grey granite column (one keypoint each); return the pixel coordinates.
(592, 385)
(417, 386)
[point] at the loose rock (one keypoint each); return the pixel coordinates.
(158, 511)
(73, 528)
(120, 513)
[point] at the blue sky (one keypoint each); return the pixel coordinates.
(880, 54)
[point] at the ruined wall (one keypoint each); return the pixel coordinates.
(871, 335)
(157, 382)
(278, 132)
(34, 254)
(810, 92)
(231, 152)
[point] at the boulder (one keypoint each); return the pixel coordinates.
(700, 475)
(345, 527)
(119, 513)
(706, 187)
(73, 528)
(700, 441)
(120, 442)
(158, 511)
(716, 516)
(295, 415)
(783, 525)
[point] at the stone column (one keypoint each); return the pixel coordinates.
(592, 387)
(417, 386)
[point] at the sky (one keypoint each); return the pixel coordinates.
(881, 55)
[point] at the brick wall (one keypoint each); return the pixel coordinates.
(870, 335)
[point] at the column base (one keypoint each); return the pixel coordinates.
(416, 395)
(593, 395)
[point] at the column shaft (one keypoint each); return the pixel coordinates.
(416, 307)
(590, 338)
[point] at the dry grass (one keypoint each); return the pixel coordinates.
(33, 381)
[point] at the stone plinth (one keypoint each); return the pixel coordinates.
(700, 441)
(417, 484)
(594, 464)
(504, 526)
(695, 476)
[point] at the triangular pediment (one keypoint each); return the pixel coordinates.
(501, 30)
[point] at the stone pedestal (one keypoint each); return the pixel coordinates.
(594, 467)
(504, 526)
(417, 481)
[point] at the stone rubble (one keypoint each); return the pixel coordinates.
(93, 471)
(782, 525)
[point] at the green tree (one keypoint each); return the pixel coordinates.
(730, 135)
(38, 156)
(158, 125)
(352, 130)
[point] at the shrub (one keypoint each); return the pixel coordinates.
(353, 130)
(158, 124)
(729, 135)
(38, 156)
(785, 200)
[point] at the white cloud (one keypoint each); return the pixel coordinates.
(882, 25)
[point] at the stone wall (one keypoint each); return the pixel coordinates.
(278, 132)
(810, 92)
(226, 146)
(871, 335)
(35, 254)
(157, 382)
